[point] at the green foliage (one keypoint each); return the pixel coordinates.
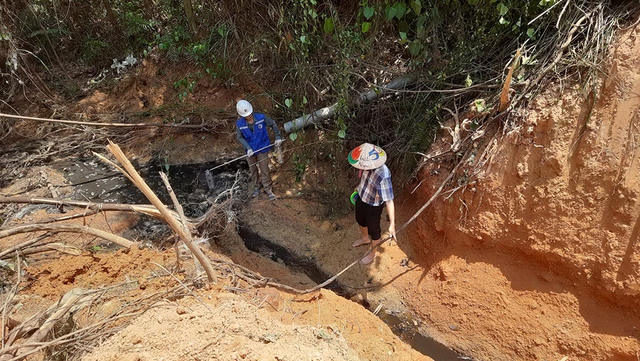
(179, 44)
(93, 50)
(137, 27)
(5, 34)
(175, 43)
(352, 43)
(300, 23)
(300, 164)
(96, 248)
(368, 12)
(328, 25)
(481, 22)
(187, 85)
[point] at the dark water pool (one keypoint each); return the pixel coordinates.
(192, 183)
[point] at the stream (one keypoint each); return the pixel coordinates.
(194, 186)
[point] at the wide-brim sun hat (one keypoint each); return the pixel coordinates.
(367, 156)
(244, 108)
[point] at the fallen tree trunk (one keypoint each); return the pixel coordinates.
(67, 228)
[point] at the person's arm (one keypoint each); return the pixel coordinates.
(386, 191)
(271, 123)
(391, 211)
(242, 140)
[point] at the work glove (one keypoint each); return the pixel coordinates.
(278, 142)
(249, 152)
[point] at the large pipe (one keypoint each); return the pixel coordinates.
(377, 92)
(323, 114)
(308, 119)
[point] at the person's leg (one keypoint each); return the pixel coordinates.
(362, 221)
(375, 232)
(265, 176)
(254, 186)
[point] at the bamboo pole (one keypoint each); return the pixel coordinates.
(168, 216)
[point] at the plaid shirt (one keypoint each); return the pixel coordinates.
(375, 186)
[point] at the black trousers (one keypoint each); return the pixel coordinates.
(369, 216)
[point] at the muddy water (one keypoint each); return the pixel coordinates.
(194, 187)
(407, 329)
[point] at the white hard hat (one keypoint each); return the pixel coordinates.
(244, 108)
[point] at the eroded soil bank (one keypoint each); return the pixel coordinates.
(537, 258)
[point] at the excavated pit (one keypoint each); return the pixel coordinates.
(194, 187)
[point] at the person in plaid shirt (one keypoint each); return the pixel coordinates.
(375, 191)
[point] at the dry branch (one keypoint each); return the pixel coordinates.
(40, 324)
(67, 228)
(74, 298)
(8, 301)
(168, 216)
(120, 125)
(55, 246)
(562, 48)
(188, 240)
(47, 326)
(48, 247)
(23, 245)
(144, 208)
(504, 96)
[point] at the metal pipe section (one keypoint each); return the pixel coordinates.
(323, 114)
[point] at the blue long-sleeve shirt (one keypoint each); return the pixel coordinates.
(268, 122)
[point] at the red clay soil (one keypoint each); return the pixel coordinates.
(538, 258)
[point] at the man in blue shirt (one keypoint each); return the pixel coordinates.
(374, 192)
(252, 134)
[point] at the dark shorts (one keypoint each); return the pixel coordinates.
(369, 216)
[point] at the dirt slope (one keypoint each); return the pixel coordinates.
(262, 325)
(539, 258)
